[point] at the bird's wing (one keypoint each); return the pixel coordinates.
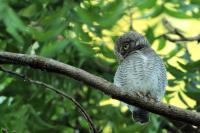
(161, 73)
(156, 73)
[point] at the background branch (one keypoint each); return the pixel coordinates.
(175, 31)
(131, 22)
(57, 91)
(100, 84)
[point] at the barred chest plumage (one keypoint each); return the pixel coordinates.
(142, 71)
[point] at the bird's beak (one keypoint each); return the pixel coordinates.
(120, 58)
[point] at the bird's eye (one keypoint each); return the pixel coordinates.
(126, 46)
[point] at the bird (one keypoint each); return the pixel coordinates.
(140, 71)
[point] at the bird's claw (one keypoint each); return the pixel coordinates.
(150, 98)
(146, 96)
(139, 94)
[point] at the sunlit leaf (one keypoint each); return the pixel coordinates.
(182, 99)
(177, 73)
(149, 33)
(173, 52)
(192, 92)
(106, 51)
(191, 66)
(143, 4)
(176, 13)
(162, 43)
(157, 10)
(112, 13)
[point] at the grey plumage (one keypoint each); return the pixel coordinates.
(140, 71)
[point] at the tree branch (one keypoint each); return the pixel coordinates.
(174, 31)
(131, 22)
(194, 38)
(57, 91)
(101, 85)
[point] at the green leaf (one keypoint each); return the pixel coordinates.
(106, 51)
(197, 2)
(169, 92)
(157, 10)
(149, 33)
(134, 127)
(193, 95)
(196, 15)
(83, 122)
(177, 73)
(29, 11)
(144, 4)
(38, 119)
(4, 82)
(172, 82)
(54, 19)
(111, 13)
(46, 35)
(182, 99)
(54, 48)
(176, 13)
(187, 55)
(172, 53)
(162, 43)
(191, 66)
(13, 23)
(192, 92)
(105, 16)
(86, 16)
(83, 48)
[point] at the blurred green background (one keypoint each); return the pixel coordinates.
(82, 33)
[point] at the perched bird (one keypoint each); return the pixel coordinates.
(140, 71)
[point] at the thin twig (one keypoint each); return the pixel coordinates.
(194, 38)
(175, 31)
(131, 11)
(131, 22)
(61, 93)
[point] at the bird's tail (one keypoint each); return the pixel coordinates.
(141, 116)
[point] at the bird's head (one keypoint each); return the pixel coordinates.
(128, 42)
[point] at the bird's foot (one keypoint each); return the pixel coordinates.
(139, 94)
(150, 98)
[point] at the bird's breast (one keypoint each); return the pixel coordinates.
(135, 73)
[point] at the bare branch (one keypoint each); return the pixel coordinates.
(59, 92)
(131, 22)
(174, 31)
(195, 38)
(100, 84)
(130, 13)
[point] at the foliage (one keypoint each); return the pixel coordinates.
(74, 32)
